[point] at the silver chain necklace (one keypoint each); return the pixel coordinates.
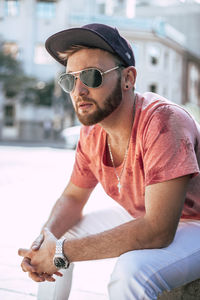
(112, 160)
(119, 185)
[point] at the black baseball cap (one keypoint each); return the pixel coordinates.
(93, 35)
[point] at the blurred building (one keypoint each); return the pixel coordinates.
(164, 60)
(184, 15)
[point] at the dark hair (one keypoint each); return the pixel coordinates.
(75, 48)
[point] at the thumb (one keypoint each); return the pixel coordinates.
(46, 232)
(38, 242)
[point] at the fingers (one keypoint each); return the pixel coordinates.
(38, 242)
(58, 274)
(36, 277)
(48, 277)
(24, 252)
(41, 277)
(26, 265)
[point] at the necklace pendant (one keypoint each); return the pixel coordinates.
(119, 186)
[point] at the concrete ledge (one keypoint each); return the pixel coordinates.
(190, 291)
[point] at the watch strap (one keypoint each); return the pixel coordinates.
(59, 253)
(59, 246)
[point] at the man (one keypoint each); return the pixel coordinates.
(145, 151)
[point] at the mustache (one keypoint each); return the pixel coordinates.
(85, 99)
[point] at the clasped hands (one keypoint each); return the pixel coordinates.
(38, 260)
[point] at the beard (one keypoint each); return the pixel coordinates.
(110, 104)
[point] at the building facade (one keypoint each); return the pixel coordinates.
(163, 62)
(183, 15)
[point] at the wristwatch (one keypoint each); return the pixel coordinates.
(60, 260)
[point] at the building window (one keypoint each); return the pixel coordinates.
(154, 60)
(153, 88)
(41, 55)
(46, 9)
(101, 8)
(12, 8)
(11, 49)
(154, 55)
(9, 115)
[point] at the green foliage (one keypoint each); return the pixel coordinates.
(15, 83)
(39, 95)
(8, 66)
(11, 75)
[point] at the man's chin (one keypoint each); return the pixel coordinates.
(89, 120)
(86, 122)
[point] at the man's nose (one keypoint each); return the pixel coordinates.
(80, 88)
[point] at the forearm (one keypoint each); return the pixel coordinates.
(134, 235)
(64, 215)
(163, 203)
(68, 209)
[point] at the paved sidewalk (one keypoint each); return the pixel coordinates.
(31, 179)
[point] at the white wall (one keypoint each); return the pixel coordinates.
(166, 74)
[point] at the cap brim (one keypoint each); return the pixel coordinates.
(63, 41)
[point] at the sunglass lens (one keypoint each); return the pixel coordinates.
(67, 82)
(91, 78)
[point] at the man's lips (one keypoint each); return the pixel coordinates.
(84, 105)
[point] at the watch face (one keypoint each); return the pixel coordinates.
(59, 262)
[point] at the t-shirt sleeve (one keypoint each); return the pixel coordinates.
(169, 145)
(82, 175)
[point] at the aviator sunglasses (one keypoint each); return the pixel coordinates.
(91, 77)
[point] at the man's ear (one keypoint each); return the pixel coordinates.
(129, 78)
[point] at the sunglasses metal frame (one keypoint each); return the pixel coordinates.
(62, 76)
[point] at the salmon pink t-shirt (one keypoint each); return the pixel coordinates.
(164, 144)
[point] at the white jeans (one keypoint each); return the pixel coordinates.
(138, 274)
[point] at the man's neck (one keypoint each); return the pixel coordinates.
(119, 124)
